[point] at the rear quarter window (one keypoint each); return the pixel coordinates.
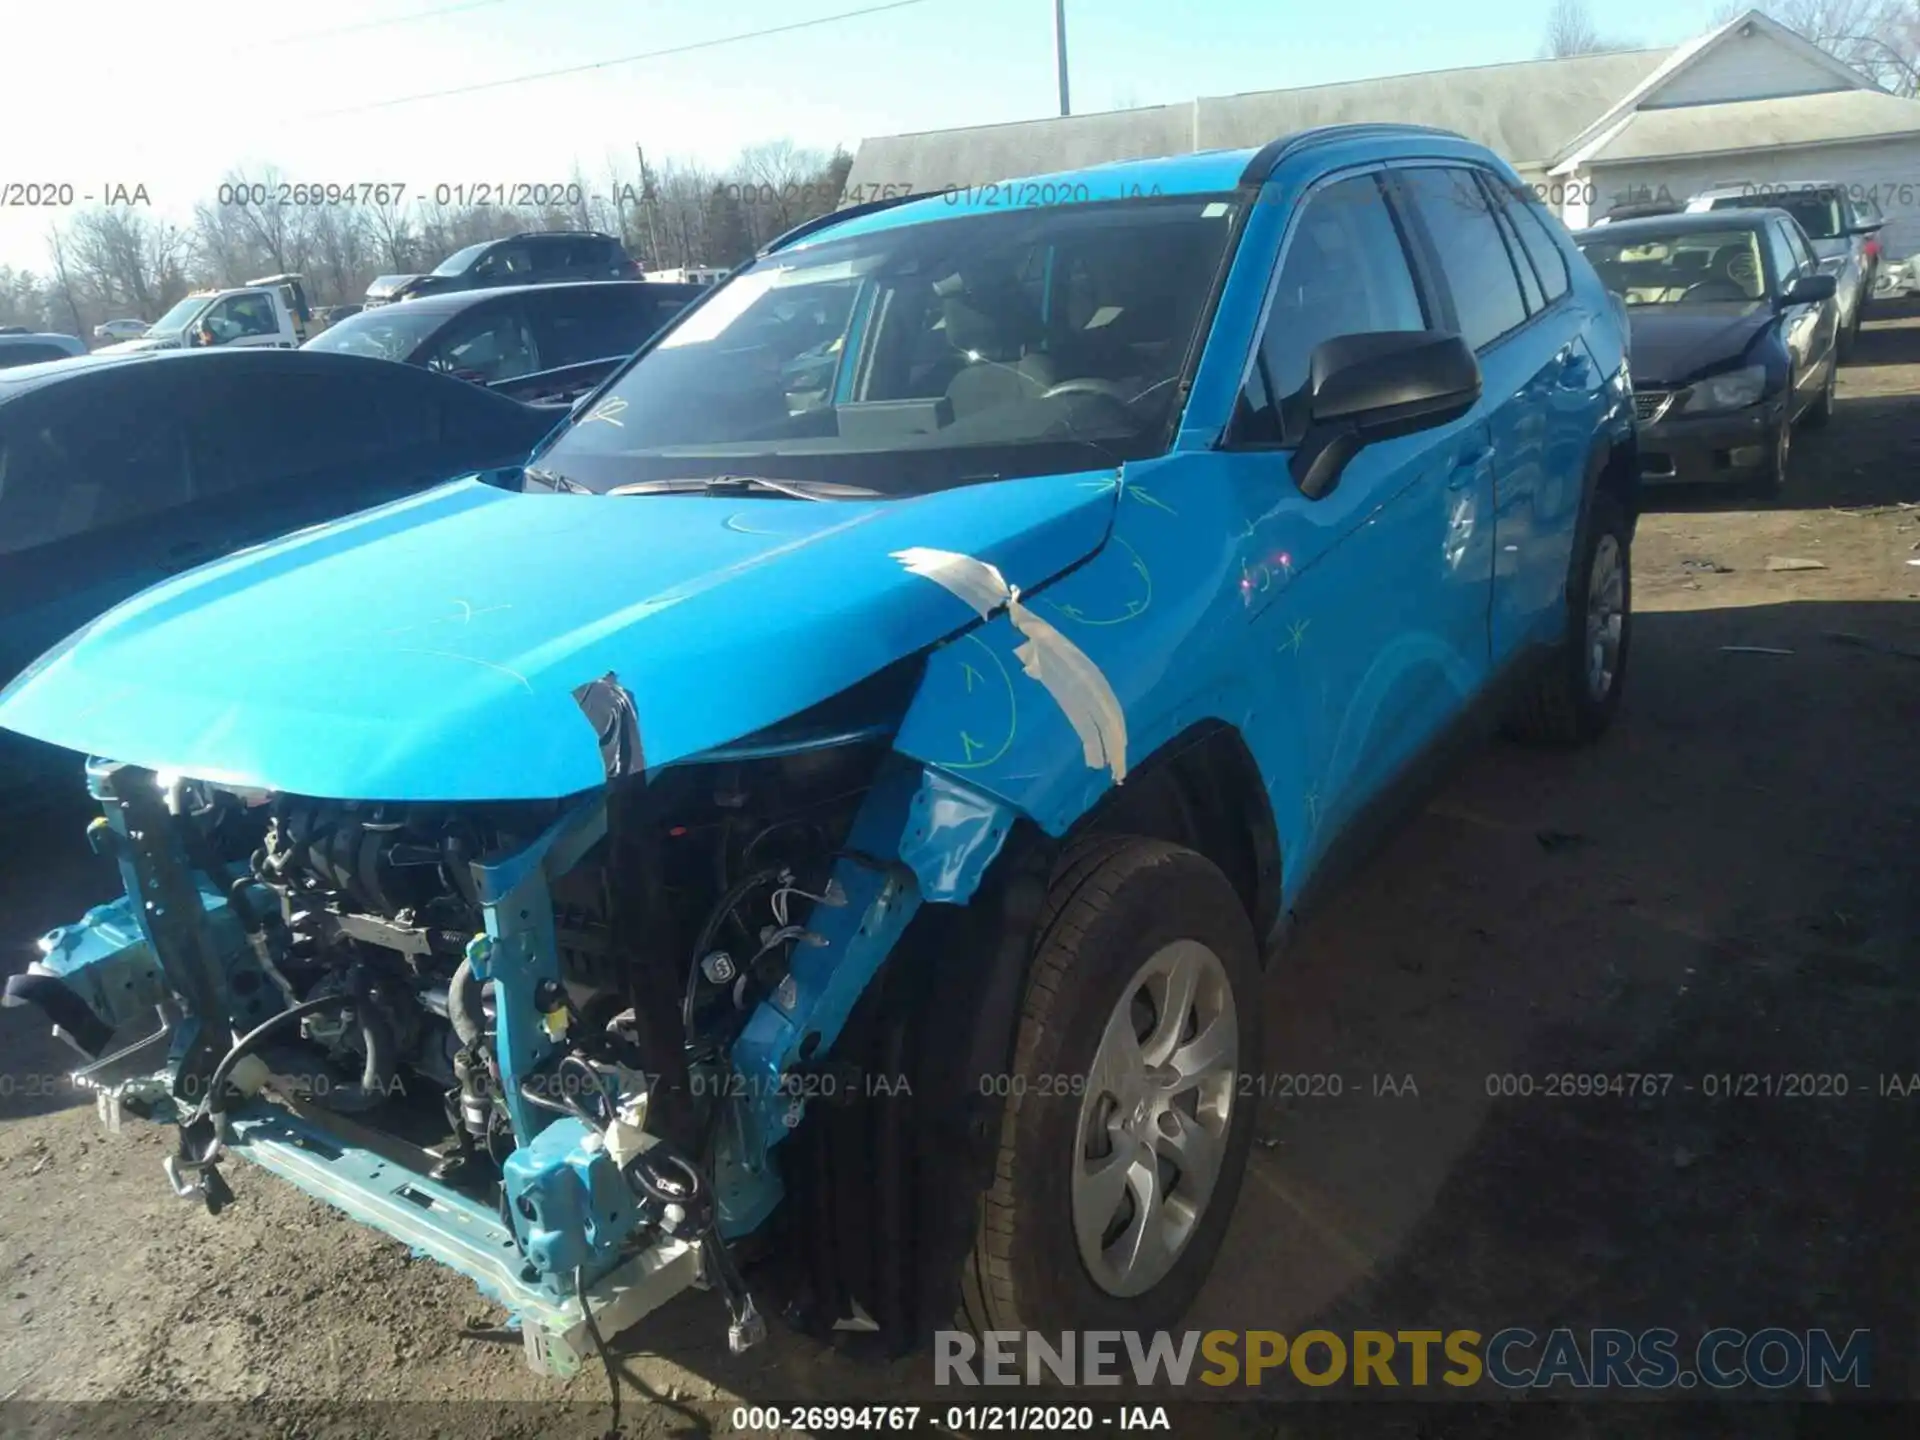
(1540, 243)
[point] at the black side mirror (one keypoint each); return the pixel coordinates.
(1809, 290)
(1376, 386)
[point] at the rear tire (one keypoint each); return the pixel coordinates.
(1573, 699)
(1144, 954)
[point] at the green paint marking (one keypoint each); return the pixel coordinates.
(1134, 608)
(968, 744)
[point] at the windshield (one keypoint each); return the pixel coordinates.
(1017, 342)
(391, 332)
(460, 259)
(1686, 267)
(1818, 214)
(180, 314)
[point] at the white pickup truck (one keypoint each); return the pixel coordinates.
(268, 312)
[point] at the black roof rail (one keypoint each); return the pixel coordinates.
(1261, 167)
(834, 217)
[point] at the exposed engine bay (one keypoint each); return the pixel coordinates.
(551, 1043)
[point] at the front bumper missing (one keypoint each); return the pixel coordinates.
(376, 1187)
(1732, 446)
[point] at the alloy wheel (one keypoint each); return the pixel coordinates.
(1154, 1119)
(1606, 616)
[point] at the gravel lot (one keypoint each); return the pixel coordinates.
(1726, 886)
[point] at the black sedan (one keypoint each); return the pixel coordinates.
(1734, 339)
(117, 471)
(507, 338)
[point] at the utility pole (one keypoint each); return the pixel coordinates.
(1060, 50)
(647, 199)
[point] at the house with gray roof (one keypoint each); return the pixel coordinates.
(1749, 101)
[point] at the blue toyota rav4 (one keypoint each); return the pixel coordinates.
(819, 833)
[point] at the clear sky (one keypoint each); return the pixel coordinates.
(171, 96)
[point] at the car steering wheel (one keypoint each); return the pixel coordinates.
(1105, 389)
(1721, 290)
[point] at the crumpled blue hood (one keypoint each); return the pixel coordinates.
(430, 649)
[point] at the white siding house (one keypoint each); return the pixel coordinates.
(1751, 103)
(1748, 101)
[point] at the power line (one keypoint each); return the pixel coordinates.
(358, 26)
(623, 60)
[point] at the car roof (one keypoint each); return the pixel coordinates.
(1199, 173)
(1769, 188)
(1747, 217)
(447, 302)
(86, 369)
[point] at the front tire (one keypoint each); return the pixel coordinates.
(1127, 1122)
(1773, 479)
(1818, 417)
(1573, 700)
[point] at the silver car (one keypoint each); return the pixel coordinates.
(1841, 221)
(119, 329)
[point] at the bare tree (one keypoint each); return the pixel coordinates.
(128, 259)
(342, 253)
(1571, 31)
(269, 230)
(1878, 38)
(63, 278)
(776, 183)
(391, 234)
(674, 213)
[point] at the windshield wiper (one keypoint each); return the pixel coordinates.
(746, 485)
(554, 480)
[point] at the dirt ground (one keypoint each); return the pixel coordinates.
(1726, 886)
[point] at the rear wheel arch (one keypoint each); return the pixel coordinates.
(1613, 468)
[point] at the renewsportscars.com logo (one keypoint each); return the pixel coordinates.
(1515, 1359)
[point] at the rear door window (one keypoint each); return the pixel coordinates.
(504, 263)
(571, 326)
(490, 342)
(588, 252)
(1780, 252)
(1807, 262)
(553, 256)
(1473, 254)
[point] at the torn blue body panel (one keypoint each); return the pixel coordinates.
(952, 838)
(480, 611)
